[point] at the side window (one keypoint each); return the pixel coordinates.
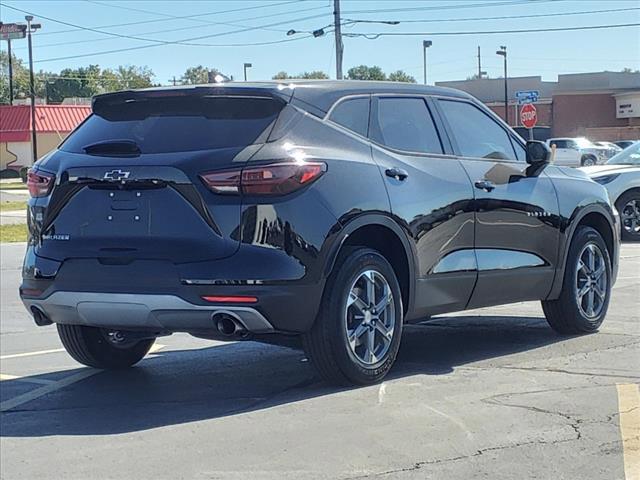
(559, 143)
(521, 153)
(406, 124)
(477, 134)
(352, 114)
(571, 144)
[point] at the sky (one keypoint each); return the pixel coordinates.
(225, 34)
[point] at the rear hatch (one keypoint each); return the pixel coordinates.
(128, 183)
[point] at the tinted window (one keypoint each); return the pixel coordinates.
(521, 153)
(477, 134)
(353, 114)
(406, 124)
(176, 124)
(559, 143)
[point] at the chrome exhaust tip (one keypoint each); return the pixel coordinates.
(229, 324)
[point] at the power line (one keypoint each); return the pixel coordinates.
(76, 42)
(451, 7)
(184, 17)
(376, 35)
(561, 14)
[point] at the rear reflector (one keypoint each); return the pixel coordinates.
(230, 299)
(273, 179)
(39, 183)
(30, 292)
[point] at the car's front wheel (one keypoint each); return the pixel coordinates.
(356, 336)
(588, 161)
(102, 348)
(586, 289)
(628, 206)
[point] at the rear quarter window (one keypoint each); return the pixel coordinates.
(352, 114)
(178, 124)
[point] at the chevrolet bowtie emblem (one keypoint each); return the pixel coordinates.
(116, 175)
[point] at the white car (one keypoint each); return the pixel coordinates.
(612, 148)
(621, 177)
(576, 152)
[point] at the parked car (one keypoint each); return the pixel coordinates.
(612, 148)
(327, 212)
(621, 177)
(625, 143)
(575, 152)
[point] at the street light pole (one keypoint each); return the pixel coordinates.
(246, 65)
(338, 36)
(32, 93)
(503, 53)
(425, 44)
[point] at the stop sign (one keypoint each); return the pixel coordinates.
(529, 115)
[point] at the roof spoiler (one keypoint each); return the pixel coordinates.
(106, 100)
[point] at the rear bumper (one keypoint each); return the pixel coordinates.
(146, 312)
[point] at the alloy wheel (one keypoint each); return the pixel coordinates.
(630, 217)
(369, 316)
(591, 281)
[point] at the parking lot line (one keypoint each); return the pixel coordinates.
(46, 389)
(30, 354)
(629, 407)
(16, 378)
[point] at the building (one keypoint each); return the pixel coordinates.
(600, 106)
(53, 124)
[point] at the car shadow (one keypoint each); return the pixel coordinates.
(177, 387)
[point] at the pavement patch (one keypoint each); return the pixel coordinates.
(629, 405)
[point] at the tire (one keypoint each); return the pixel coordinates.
(89, 346)
(629, 216)
(570, 313)
(337, 360)
(588, 161)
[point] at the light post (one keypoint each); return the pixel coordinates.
(425, 44)
(246, 65)
(32, 27)
(503, 53)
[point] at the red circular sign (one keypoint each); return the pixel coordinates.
(529, 115)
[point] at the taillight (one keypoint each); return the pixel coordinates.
(39, 183)
(273, 179)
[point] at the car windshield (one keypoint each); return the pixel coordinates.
(629, 156)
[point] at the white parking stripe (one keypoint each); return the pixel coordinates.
(31, 354)
(46, 389)
(16, 378)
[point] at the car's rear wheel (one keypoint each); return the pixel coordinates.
(586, 288)
(628, 206)
(356, 336)
(102, 348)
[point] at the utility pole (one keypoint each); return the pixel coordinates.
(479, 64)
(10, 72)
(32, 89)
(338, 33)
(246, 65)
(175, 82)
(503, 53)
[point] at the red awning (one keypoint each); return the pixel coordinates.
(15, 121)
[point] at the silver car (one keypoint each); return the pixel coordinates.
(621, 177)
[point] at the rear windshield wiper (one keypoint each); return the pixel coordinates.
(114, 148)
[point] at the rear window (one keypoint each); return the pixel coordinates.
(177, 124)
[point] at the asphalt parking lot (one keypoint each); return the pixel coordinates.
(491, 393)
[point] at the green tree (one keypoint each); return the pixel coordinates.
(198, 74)
(400, 76)
(130, 77)
(281, 75)
(20, 78)
(629, 70)
(363, 72)
(313, 75)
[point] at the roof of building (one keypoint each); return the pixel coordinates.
(15, 120)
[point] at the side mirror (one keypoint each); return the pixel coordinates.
(538, 152)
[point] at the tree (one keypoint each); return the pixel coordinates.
(130, 77)
(198, 74)
(315, 74)
(400, 76)
(629, 70)
(20, 78)
(363, 72)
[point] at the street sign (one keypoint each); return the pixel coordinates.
(12, 31)
(527, 96)
(529, 115)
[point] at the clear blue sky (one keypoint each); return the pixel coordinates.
(450, 57)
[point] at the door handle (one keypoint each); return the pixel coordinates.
(484, 185)
(397, 173)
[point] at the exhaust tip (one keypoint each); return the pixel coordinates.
(40, 317)
(228, 325)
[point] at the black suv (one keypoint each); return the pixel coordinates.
(329, 212)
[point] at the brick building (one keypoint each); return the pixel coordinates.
(600, 106)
